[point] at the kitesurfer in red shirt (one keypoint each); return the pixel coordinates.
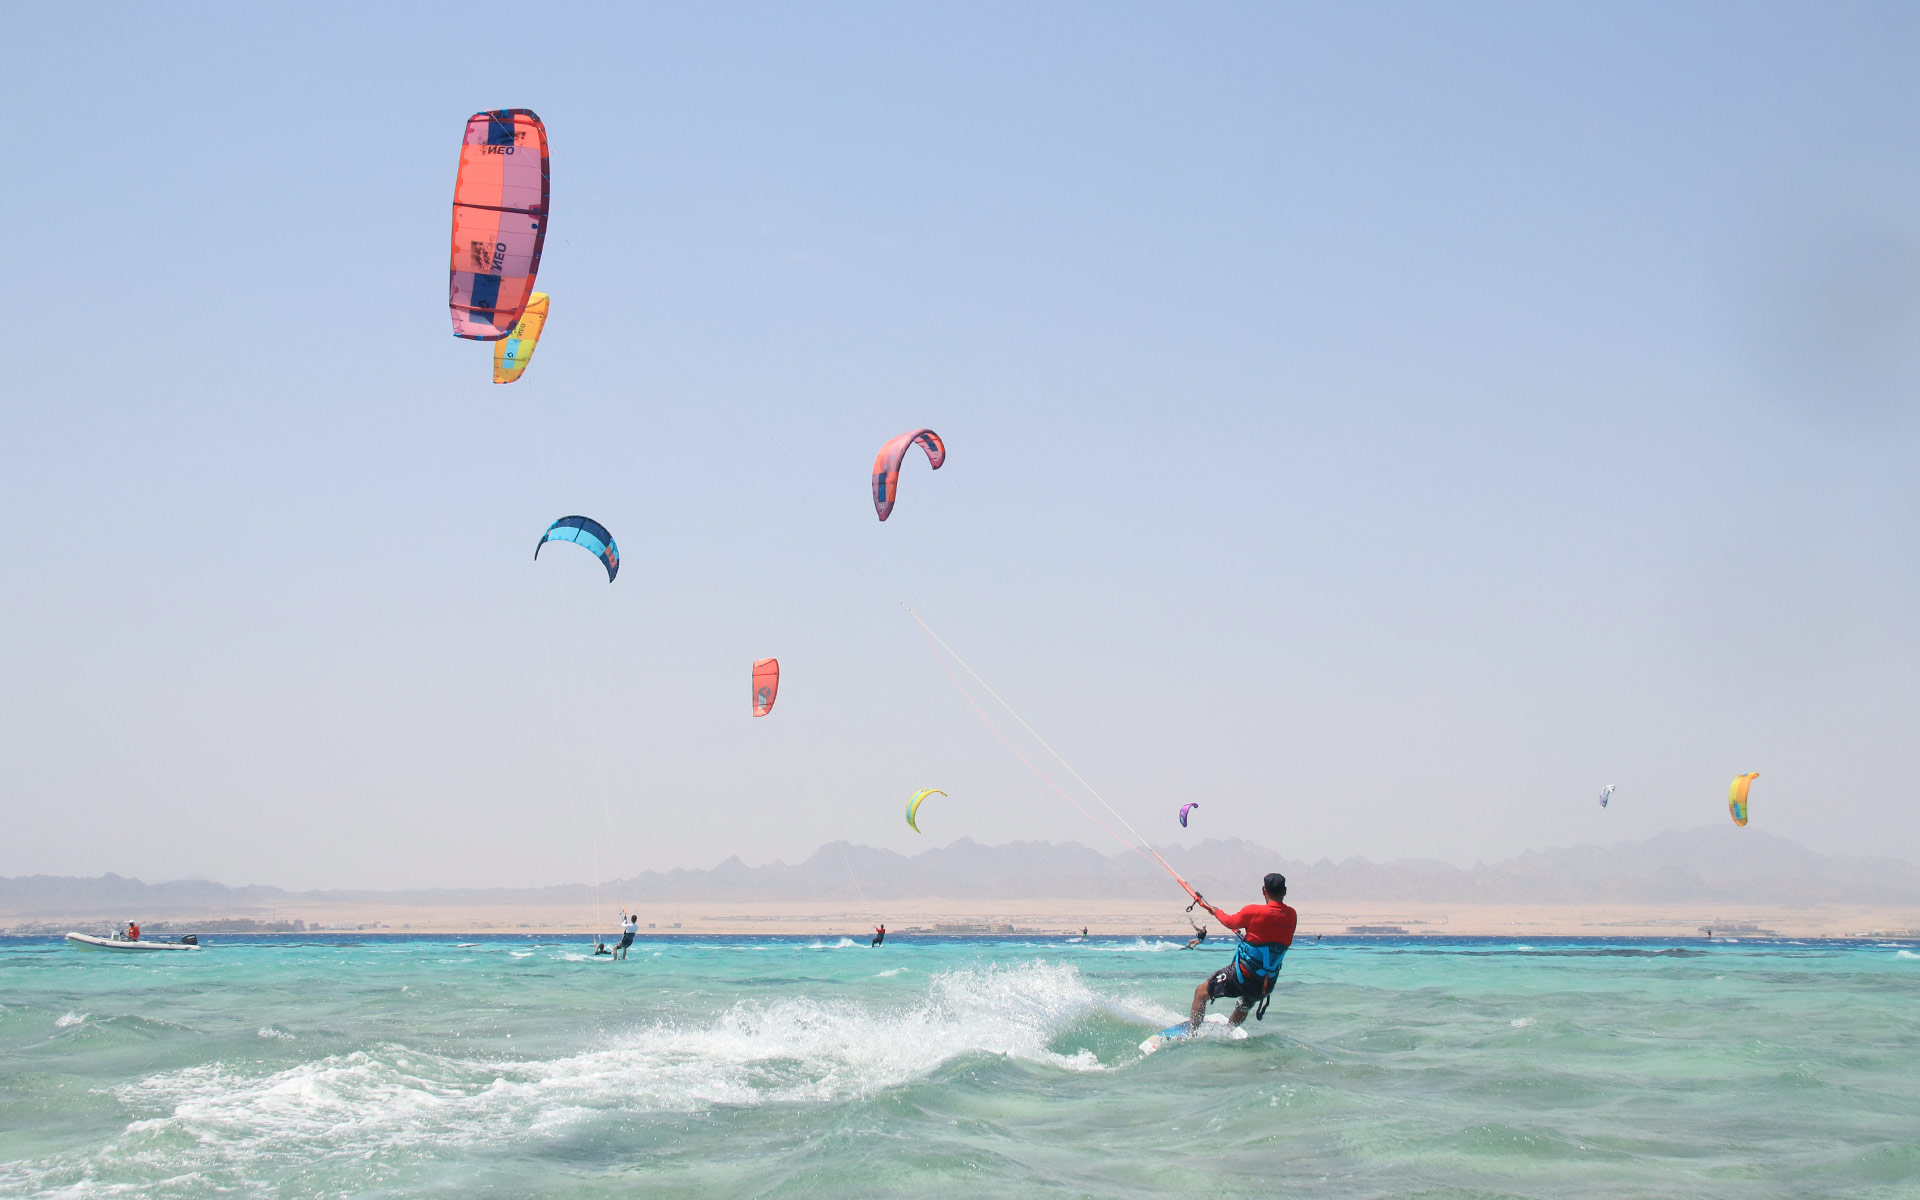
(1266, 931)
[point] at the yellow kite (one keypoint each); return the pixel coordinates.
(913, 804)
(512, 353)
(1737, 796)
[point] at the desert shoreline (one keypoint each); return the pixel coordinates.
(1039, 917)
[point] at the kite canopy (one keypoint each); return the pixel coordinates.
(1184, 810)
(886, 465)
(512, 353)
(766, 685)
(584, 531)
(913, 804)
(499, 222)
(1606, 794)
(1737, 796)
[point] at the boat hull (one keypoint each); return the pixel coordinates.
(87, 941)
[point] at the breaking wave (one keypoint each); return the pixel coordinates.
(217, 1122)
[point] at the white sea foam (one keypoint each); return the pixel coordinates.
(268, 1031)
(842, 944)
(1905, 954)
(1143, 946)
(789, 1049)
(892, 973)
(67, 1020)
(1521, 1022)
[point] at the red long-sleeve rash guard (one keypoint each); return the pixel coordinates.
(1265, 924)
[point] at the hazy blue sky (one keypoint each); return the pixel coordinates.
(1382, 424)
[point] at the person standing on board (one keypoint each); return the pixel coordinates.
(1266, 931)
(879, 935)
(1199, 936)
(629, 925)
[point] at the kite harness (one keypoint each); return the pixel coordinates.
(1256, 961)
(1261, 961)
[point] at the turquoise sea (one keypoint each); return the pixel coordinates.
(513, 1066)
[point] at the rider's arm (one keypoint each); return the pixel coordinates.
(1234, 921)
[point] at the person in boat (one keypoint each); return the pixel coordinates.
(1266, 930)
(133, 932)
(629, 925)
(879, 935)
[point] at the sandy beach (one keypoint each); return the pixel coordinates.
(1044, 917)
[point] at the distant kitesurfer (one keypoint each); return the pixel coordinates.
(629, 925)
(1083, 931)
(1267, 931)
(1199, 936)
(879, 935)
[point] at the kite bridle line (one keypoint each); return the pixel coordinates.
(1143, 847)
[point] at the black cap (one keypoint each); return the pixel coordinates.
(1276, 885)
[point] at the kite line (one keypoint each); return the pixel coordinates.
(1140, 845)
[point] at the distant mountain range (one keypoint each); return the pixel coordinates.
(1713, 863)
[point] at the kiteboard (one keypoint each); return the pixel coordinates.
(87, 941)
(1216, 1026)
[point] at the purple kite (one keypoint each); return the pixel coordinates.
(1184, 810)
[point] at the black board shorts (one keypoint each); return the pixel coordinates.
(1228, 981)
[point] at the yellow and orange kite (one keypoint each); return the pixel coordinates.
(1737, 796)
(512, 353)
